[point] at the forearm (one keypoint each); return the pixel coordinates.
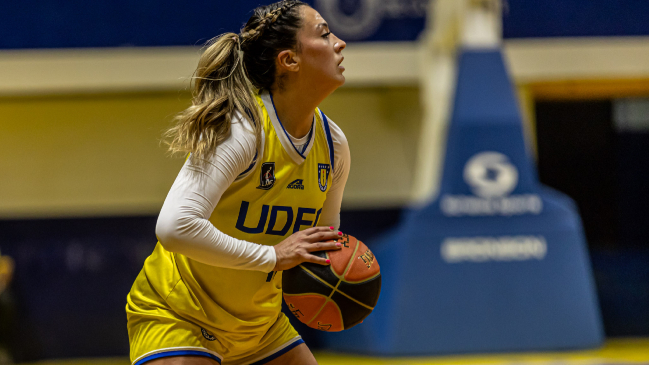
(184, 226)
(186, 233)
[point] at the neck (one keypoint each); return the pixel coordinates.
(295, 107)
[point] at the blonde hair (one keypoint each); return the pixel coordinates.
(221, 85)
(220, 88)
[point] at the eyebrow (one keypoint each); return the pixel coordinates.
(323, 24)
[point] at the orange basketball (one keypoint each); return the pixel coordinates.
(337, 296)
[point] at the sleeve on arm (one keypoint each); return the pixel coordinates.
(183, 225)
(330, 215)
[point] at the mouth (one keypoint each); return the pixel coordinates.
(341, 61)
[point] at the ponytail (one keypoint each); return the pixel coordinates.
(225, 81)
(220, 88)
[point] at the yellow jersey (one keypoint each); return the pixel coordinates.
(282, 192)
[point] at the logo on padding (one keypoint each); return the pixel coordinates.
(296, 184)
(267, 176)
(491, 178)
(490, 175)
(323, 175)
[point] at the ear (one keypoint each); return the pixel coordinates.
(288, 60)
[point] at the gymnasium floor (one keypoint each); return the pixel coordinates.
(614, 352)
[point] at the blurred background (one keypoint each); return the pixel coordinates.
(87, 88)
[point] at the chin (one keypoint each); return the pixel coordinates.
(340, 79)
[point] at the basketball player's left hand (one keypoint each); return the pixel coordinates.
(297, 248)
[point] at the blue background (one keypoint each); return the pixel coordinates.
(76, 23)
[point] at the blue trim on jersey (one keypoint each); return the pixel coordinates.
(278, 353)
(177, 353)
(329, 140)
(288, 135)
(308, 138)
(254, 160)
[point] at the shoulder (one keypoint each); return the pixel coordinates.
(242, 136)
(339, 141)
(243, 142)
(238, 148)
(337, 134)
(242, 128)
(338, 137)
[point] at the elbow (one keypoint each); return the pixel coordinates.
(167, 235)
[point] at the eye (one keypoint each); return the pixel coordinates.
(326, 35)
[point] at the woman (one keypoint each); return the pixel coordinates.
(261, 190)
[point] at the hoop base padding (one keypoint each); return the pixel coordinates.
(496, 263)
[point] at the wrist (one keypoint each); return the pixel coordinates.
(273, 258)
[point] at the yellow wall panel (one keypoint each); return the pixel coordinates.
(100, 154)
(382, 126)
(85, 155)
(589, 89)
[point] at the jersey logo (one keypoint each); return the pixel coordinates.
(296, 184)
(208, 336)
(323, 175)
(267, 176)
(280, 219)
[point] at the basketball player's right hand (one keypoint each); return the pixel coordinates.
(297, 248)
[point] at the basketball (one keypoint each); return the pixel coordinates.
(338, 296)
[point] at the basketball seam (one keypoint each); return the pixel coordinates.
(325, 283)
(325, 303)
(355, 301)
(360, 282)
(319, 310)
(317, 277)
(342, 320)
(364, 280)
(328, 297)
(351, 261)
(335, 290)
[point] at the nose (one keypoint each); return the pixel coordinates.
(340, 45)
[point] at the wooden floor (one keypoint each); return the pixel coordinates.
(614, 352)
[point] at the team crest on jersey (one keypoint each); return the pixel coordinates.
(323, 175)
(267, 176)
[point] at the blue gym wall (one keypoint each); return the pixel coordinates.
(123, 23)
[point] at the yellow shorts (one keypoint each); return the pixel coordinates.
(163, 334)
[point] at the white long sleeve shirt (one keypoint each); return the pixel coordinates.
(184, 227)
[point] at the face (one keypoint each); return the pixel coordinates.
(320, 53)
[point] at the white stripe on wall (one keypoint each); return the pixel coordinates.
(24, 72)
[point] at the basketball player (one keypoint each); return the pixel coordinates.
(210, 293)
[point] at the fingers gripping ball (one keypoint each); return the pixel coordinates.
(337, 296)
